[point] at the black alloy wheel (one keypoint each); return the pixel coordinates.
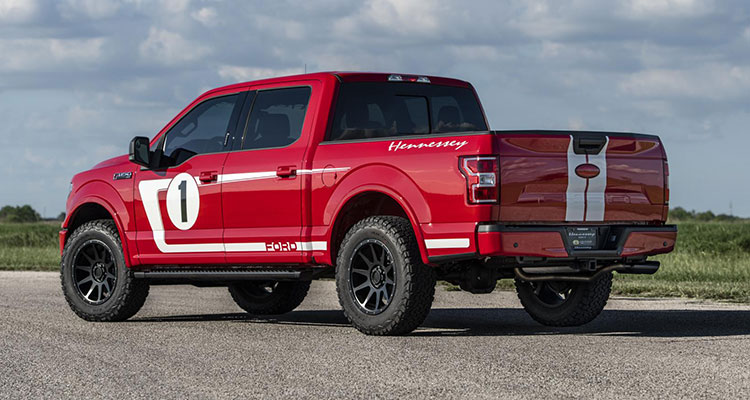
(94, 272)
(372, 278)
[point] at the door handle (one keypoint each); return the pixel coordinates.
(286, 171)
(209, 176)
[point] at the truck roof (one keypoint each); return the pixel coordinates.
(346, 76)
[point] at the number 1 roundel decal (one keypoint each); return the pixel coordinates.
(183, 201)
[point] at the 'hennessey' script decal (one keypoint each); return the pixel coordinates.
(457, 144)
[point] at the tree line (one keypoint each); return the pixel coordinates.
(681, 214)
(24, 213)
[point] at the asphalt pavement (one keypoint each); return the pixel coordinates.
(195, 342)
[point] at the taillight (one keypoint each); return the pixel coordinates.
(666, 182)
(481, 174)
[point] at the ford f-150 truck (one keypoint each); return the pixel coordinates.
(385, 182)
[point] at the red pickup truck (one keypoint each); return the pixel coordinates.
(386, 182)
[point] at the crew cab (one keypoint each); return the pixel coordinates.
(385, 182)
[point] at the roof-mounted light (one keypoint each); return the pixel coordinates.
(408, 78)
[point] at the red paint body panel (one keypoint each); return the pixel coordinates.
(639, 243)
(291, 219)
(208, 227)
(525, 244)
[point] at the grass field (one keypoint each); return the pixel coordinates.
(29, 246)
(711, 261)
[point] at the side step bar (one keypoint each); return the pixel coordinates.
(190, 275)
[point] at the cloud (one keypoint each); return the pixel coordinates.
(93, 9)
(710, 82)
(576, 124)
(170, 48)
(206, 16)
(653, 9)
(236, 73)
(17, 11)
(48, 54)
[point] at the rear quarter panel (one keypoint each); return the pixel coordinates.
(425, 180)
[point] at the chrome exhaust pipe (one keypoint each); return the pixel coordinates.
(645, 268)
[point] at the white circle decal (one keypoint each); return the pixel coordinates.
(183, 201)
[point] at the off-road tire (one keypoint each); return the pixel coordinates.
(414, 287)
(129, 293)
(585, 302)
(285, 296)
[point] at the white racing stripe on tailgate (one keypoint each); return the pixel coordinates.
(595, 200)
(575, 200)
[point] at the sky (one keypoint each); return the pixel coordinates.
(80, 78)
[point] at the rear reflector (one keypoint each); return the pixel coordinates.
(666, 182)
(481, 174)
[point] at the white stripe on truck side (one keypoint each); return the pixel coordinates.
(461, 243)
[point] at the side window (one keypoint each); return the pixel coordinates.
(201, 130)
(276, 118)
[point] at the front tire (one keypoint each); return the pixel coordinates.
(564, 303)
(269, 298)
(95, 280)
(382, 284)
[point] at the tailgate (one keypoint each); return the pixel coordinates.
(562, 176)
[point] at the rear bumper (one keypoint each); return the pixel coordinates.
(552, 241)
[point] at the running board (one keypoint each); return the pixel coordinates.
(190, 275)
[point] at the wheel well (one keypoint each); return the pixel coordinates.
(358, 208)
(87, 212)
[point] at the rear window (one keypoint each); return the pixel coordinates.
(377, 109)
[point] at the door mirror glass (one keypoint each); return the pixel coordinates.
(139, 152)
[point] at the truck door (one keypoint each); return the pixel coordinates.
(263, 178)
(178, 207)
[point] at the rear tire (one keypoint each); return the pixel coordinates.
(564, 303)
(269, 298)
(96, 283)
(382, 284)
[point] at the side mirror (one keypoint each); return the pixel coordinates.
(139, 152)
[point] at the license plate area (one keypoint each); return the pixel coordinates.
(583, 238)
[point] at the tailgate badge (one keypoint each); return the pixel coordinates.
(587, 171)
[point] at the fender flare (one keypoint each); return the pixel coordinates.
(100, 193)
(400, 188)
